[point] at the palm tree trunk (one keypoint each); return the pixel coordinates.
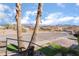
(33, 38)
(19, 28)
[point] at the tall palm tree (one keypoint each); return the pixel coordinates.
(33, 38)
(19, 28)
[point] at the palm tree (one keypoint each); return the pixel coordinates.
(19, 28)
(33, 38)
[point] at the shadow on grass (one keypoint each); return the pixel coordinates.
(53, 49)
(48, 51)
(12, 48)
(74, 49)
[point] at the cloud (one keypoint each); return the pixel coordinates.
(26, 18)
(2, 15)
(6, 17)
(61, 4)
(31, 12)
(48, 22)
(59, 18)
(11, 12)
(4, 7)
(53, 15)
(65, 19)
(76, 20)
(10, 16)
(77, 4)
(52, 18)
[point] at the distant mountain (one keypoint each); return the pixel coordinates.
(28, 25)
(32, 25)
(66, 25)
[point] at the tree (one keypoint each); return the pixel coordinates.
(33, 38)
(19, 28)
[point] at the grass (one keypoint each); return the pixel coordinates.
(50, 50)
(46, 50)
(54, 45)
(53, 48)
(12, 47)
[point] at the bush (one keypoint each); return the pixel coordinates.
(24, 30)
(51, 50)
(12, 47)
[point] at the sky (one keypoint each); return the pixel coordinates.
(52, 13)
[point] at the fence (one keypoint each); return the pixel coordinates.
(5, 44)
